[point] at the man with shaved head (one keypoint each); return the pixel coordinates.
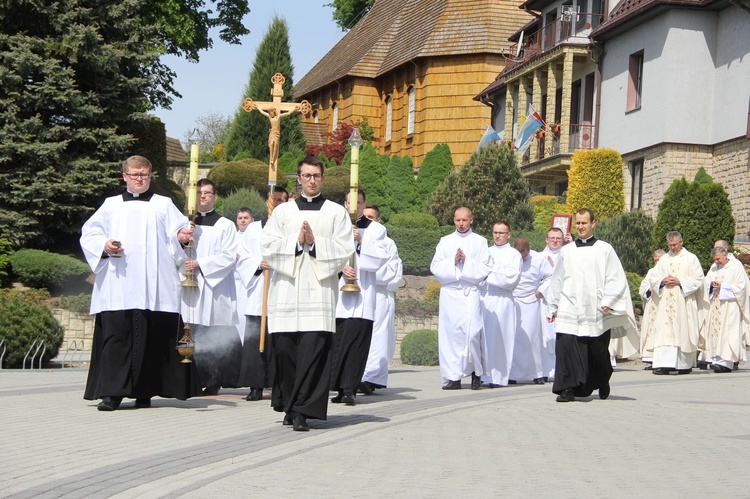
(460, 264)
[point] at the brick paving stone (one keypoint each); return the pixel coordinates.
(668, 436)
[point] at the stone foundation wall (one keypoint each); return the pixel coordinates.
(79, 329)
(728, 163)
(405, 325)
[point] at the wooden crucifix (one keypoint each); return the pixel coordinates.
(274, 111)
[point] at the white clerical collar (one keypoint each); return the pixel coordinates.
(308, 198)
(134, 194)
(464, 234)
(586, 241)
(204, 213)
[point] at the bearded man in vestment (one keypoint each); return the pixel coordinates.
(461, 263)
(727, 321)
(680, 289)
(306, 243)
(589, 303)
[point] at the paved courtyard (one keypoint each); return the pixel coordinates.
(656, 436)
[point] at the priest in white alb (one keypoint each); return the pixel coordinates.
(726, 325)
(498, 308)
(649, 310)
(680, 290)
(461, 263)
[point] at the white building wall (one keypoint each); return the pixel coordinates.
(732, 87)
(678, 82)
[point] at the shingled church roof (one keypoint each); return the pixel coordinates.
(395, 32)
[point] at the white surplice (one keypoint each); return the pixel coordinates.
(143, 278)
(527, 349)
(650, 300)
(548, 328)
(460, 316)
(383, 345)
(248, 281)
(499, 313)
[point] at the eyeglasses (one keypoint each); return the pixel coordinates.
(500, 233)
(307, 176)
(138, 176)
(206, 193)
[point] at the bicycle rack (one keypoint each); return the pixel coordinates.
(77, 349)
(3, 345)
(38, 343)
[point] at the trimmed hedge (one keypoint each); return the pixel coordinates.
(420, 348)
(247, 173)
(52, 271)
(595, 182)
(416, 246)
(22, 321)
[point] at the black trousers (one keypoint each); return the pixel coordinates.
(351, 346)
(303, 370)
(134, 355)
(581, 363)
(255, 372)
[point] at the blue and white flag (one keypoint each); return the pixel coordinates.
(490, 137)
(533, 123)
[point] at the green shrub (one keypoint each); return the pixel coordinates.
(414, 307)
(52, 271)
(247, 173)
(169, 188)
(634, 283)
(544, 208)
(700, 211)
(595, 182)
(6, 250)
(336, 184)
(243, 198)
(22, 321)
(432, 295)
(420, 348)
(629, 233)
(416, 246)
(413, 221)
(537, 239)
(80, 304)
(436, 166)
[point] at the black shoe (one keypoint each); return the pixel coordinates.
(109, 404)
(349, 398)
(211, 390)
(661, 370)
(702, 365)
(476, 382)
(254, 395)
(142, 403)
(364, 388)
(566, 396)
(684, 371)
(512, 382)
(538, 381)
(299, 423)
(648, 368)
(720, 369)
(337, 398)
(493, 385)
(736, 366)
(604, 391)
(452, 385)
(288, 419)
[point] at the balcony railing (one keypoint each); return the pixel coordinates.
(579, 137)
(567, 28)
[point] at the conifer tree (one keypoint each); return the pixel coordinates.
(491, 186)
(249, 131)
(595, 181)
(437, 165)
(73, 73)
(400, 186)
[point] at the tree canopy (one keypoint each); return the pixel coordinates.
(346, 13)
